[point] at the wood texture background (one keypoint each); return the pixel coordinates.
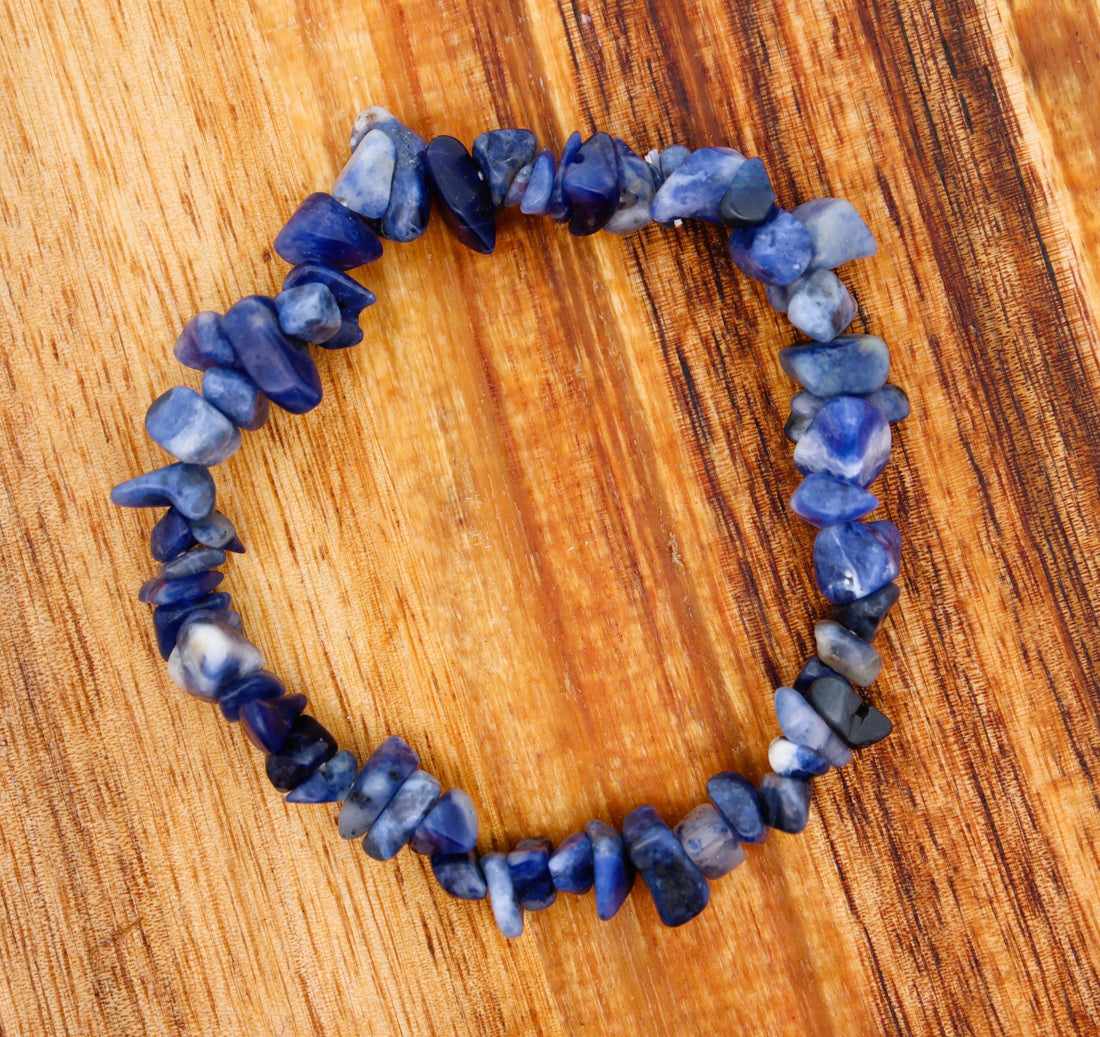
(539, 527)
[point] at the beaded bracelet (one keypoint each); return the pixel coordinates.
(258, 352)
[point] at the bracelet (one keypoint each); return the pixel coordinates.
(257, 351)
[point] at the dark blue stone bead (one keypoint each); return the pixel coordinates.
(892, 401)
(236, 396)
(799, 722)
(790, 760)
(518, 187)
(462, 193)
(558, 208)
(216, 531)
(824, 501)
(397, 822)
(279, 365)
(855, 559)
(775, 251)
(837, 232)
(846, 366)
(366, 182)
(613, 874)
(736, 799)
(382, 775)
(634, 208)
(537, 196)
(189, 488)
(849, 440)
(865, 616)
(501, 154)
(853, 721)
(749, 197)
(591, 185)
(812, 671)
(324, 231)
(696, 189)
(672, 158)
(529, 866)
(329, 783)
(309, 312)
(259, 685)
(460, 875)
(202, 344)
(170, 537)
(197, 561)
(267, 722)
(571, 864)
(168, 620)
(410, 202)
(450, 826)
(190, 428)
(678, 887)
(786, 802)
(160, 591)
(502, 894)
(307, 746)
(351, 297)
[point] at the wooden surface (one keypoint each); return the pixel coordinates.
(539, 526)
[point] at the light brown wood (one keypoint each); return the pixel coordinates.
(539, 528)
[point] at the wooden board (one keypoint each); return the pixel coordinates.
(539, 526)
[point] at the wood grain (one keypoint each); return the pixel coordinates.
(539, 527)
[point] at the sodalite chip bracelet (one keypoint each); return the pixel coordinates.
(257, 353)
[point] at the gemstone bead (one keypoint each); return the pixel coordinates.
(571, 864)
(737, 801)
(801, 724)
(382, 775)
(849, 655)
(190, 429)
(537, 196)
(236, 396)
(865, 616)
(795, 426)
(847, 365)
(309, 312)
(215, 530)
(636, 189)
(324, 231)
(518, 188)
(613, 874)
(267, 722)
(774, 251)
(501, 155)
(261, 684)
(192, 562)
(399, 818)
(785, 802)
(365, 182)
(307, 746)
(188, 488)
(678, 887)
(820, 305)
(822, 500)
(351, 297)
(168, 620)
(697, 186)
(208, 656)
(709, 842)
(849, 440)
(837, 231)
(591, 185)
(749, 197)
(185, 588)
(279, 365)
(891, 400)
(450, 826)
(460, 875)
(672, 158)
(502, 894)
(855, 559)
(170, 537)
(464, 198)
(558, 207)
(529, 865)
(791, 760)
(812, 671)
(854, 722)
(329, 783)
(410, 203)
(202, 344)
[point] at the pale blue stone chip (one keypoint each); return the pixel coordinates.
(190, 428)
